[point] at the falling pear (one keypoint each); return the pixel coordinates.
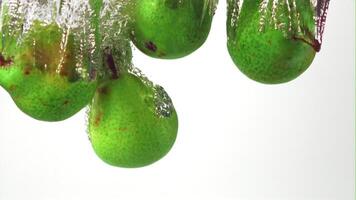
(40, 74)
(131, 123)
(170, 29)
(272, 41)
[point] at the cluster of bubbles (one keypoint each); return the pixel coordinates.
(163, 103)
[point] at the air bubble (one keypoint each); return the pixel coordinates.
(163, 103)
(164, 107)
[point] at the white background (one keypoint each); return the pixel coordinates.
(238, 139)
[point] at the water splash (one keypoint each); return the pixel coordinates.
(87, 121)
(210, 7)
(114, 29)
(282, 15)
(322, 7)
(164, 107)
(73, 17)
(234, 10)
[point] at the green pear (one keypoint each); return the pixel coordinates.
(131, 124)
(271, 41)
(40, 71)
(170, 29)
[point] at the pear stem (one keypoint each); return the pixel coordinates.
(110, 62)
(313, 43)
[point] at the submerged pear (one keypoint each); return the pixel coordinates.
(171, 29)
(271, 41)
(41, 73)
(131, 124)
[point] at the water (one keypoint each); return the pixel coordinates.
(210, 6)
(115, 32)
(75, 18)
(234, 8)
(101, 50)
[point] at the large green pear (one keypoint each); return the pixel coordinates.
(170, 29)
(131, 124)
(41, 73)
(271, 41)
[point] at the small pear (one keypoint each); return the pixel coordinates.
(131, 124)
